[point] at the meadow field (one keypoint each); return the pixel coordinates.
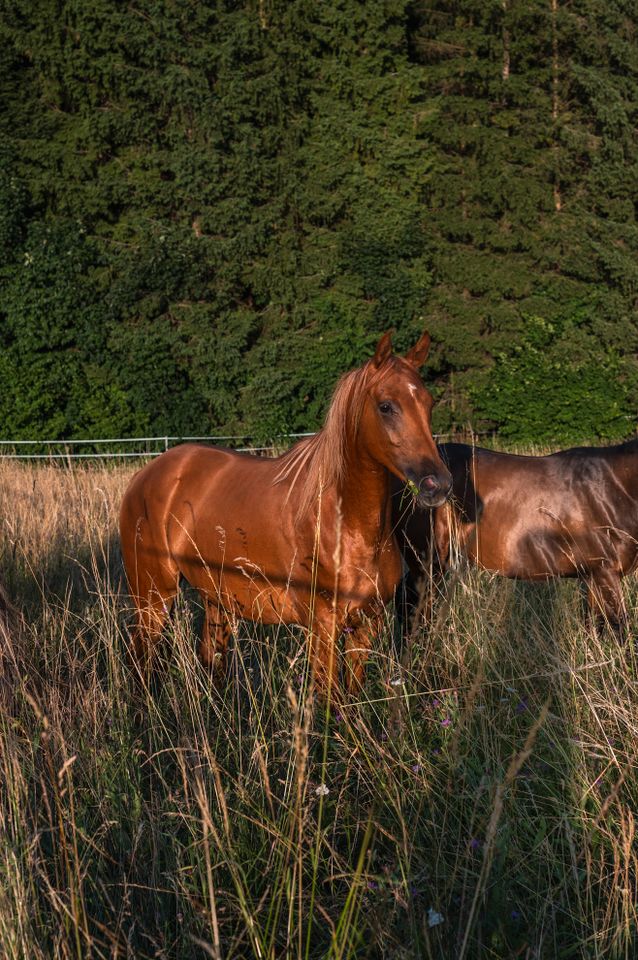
(478, 800)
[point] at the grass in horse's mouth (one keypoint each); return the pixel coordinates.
(411, 492)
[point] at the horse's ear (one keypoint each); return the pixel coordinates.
(384, 349)
(419, 352)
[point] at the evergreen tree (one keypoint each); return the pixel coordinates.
(208, 211)
(531, 103)
(352, 251)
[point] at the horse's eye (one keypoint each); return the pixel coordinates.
(386, 407)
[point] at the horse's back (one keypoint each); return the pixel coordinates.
(533, 516)
(190, 467)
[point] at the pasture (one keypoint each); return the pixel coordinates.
(477, 800)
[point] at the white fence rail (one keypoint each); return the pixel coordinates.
(151, 446)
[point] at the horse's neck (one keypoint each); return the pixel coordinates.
(365, 499)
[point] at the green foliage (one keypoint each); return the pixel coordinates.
(264, 188)
(53, 340)
(552, 387)
(533, 121)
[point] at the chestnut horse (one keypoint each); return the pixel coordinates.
(569, 514)
(305, 538)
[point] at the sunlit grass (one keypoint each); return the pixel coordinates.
(477, 801)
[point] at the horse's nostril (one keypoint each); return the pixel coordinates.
(430, 483)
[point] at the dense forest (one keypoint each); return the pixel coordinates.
(209, 210)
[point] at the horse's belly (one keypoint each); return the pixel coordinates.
(264, 603)
(252, 594)
(537, 553)
(270, 585)
(249, 579)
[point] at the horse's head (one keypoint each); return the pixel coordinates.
(395, 425)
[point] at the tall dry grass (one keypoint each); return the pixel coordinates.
(478, 801)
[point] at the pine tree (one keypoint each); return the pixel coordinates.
(532, 115)
(252, 192)
(356, 260)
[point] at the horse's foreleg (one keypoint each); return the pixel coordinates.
(407, 605)
(213, 645)
(423, 581)
(323, 659)
(425, 590)
(358, 643)
(605, 601)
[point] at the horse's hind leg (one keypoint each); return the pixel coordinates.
(605, 601)
(152, 613)
(153, 590)
(213, 645)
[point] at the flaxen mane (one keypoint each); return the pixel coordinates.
(320, 461)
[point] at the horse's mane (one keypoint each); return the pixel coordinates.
(319, 462)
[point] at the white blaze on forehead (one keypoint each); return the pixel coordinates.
(412, 387)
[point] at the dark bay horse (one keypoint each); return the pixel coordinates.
(569, 514)
(305, 538)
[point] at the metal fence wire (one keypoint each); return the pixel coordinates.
(120, 447)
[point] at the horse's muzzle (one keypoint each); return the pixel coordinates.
(433, 489)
